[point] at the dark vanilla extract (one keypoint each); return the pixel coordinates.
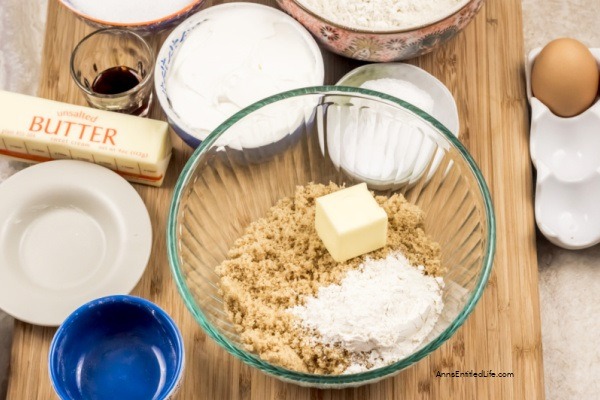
(116, 80)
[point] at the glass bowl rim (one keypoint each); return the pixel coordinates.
(316, 379)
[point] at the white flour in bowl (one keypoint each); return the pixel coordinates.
(380, 312)
(129, 11)
(382, 15)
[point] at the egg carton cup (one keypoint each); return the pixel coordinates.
(565, 153)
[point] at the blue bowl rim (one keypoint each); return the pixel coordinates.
(315, 379)
(115, 299)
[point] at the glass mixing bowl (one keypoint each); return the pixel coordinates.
(322, 134)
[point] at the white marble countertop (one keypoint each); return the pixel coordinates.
(569, 280)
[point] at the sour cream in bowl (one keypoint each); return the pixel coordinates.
(228, 57)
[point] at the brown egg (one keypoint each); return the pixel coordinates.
(565, 77)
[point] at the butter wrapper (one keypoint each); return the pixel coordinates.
(37, 130)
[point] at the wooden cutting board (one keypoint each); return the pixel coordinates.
(482, 67)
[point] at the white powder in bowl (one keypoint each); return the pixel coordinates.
(129, 11)
(382, 149)
(403, 90)
(384, 309)
(383, 14)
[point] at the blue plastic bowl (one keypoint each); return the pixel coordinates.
(117, 347)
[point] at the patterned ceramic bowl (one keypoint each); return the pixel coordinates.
(383, 46)
(154, 25)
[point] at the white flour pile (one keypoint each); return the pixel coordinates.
(127, 11)
(380, 312)
(383, 14)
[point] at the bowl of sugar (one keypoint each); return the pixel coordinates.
(382, 30)
(254, 52)
(148, 16)
(117, 347)
(360, 152)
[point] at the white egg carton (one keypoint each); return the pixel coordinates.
(566, 154)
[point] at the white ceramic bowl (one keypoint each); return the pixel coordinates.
(415, 154)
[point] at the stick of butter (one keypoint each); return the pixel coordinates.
(36, 130)
(350, 222)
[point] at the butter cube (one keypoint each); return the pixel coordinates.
(350, 222)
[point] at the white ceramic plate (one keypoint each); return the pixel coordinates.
(70, 232)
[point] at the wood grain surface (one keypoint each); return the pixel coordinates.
(482, 67)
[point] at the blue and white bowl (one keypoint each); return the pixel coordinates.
(168, 54)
